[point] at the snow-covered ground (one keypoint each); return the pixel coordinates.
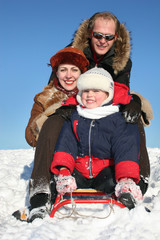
(122, 224)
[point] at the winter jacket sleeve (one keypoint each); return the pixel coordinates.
(121, 94)
(125, 150)
(123, 76)
(66, 149)
(45, 104)
(122, 85)
(32, 130)
(121, 81)
(66, 111)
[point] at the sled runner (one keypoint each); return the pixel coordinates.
(80, 196)
(84, 196)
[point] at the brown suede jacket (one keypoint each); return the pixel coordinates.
(45, 104)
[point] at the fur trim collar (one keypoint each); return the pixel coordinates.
(49, 96)
(51, 99)
(122, 45)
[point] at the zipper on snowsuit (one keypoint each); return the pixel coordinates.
(90, 159)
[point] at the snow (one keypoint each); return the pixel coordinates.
(16, 167)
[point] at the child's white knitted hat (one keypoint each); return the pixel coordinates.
(96, 78)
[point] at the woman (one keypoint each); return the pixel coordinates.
(51, 109)
(58, 90)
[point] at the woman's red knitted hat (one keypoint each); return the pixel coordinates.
(70, 55)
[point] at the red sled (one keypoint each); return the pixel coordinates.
(85, 196)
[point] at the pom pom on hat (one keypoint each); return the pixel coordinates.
(69, 55)
(96, 78)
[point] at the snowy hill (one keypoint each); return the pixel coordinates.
(122, 224)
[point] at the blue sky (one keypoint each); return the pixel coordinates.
(34, 30)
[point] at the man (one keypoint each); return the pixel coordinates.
(106, 43)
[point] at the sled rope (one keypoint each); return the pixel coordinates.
(75, 214)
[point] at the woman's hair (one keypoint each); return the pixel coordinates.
(104, 15)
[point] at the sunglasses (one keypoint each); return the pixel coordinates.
(106, 36)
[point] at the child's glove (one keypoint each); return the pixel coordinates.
(128, 192)
(65, 182)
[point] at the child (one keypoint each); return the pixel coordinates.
(97, 148)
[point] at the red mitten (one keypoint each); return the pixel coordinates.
(127, 185)
(65, 182)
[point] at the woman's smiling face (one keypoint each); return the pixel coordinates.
(67, 75)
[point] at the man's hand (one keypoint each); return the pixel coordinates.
(132, 111)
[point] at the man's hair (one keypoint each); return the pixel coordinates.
(105, 15)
